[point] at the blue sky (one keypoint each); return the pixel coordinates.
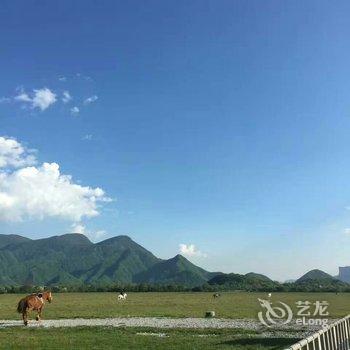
(220, 125)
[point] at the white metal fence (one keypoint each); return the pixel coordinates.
(333, 337)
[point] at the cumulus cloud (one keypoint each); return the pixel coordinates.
(13, 154)
(43, 98)
(190, 250)
(38, 192)
(66, 97)
(78, 228)
(90, 99)
(98, 234)
(39, 98)
(74, 110)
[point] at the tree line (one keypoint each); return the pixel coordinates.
(311, 286)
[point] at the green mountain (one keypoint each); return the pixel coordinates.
(258, 276)
(73, 259)
(5, 240)
(317, 280)
(176, 270)
(250, 281)
(315, 275)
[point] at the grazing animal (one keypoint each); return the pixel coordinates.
(33, 302)
(122, 296)
(216, 295)
(269, 295)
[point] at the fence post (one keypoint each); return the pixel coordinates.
(324, 340)
(343, 335)
(328, 341)
(347, 331)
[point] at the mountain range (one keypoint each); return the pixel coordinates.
(72, 259)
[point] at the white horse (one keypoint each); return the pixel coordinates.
(122, 296)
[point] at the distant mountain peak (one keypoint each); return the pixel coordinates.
(179, 257)
(249, 281)
(6, 240)
(72, 238)
(257, 276)
(120, 238)
(315, 274)
(72, 234)
(176, 270)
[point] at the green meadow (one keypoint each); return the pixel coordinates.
(131, 338)
(229, 305)
(103, 305)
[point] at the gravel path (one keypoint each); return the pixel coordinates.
(164, 323)
(153, 322)
(291, 330)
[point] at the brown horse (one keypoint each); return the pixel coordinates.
(33, 302)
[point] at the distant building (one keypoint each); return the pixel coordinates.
(344, 274)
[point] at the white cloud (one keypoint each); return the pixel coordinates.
(39, 98)
(347, 231)
(13, 154)
(87, 137)
(82, 76)
(38, 192)
(78, 228)
(43, 98)
(98, 234)
(74, 110)
(23, 97)
(190, 250)
(90, 99)
(66, 97)
(62, 78)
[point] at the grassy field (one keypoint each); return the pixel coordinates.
(108, 338)
(229, 305)
(102, 305)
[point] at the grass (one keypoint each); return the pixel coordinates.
(90, 305)
(131, 338)
(229, 305)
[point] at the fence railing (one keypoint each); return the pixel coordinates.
(332, 337)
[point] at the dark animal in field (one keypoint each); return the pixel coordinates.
(33, 302)
(216, 295)
(210, 314)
